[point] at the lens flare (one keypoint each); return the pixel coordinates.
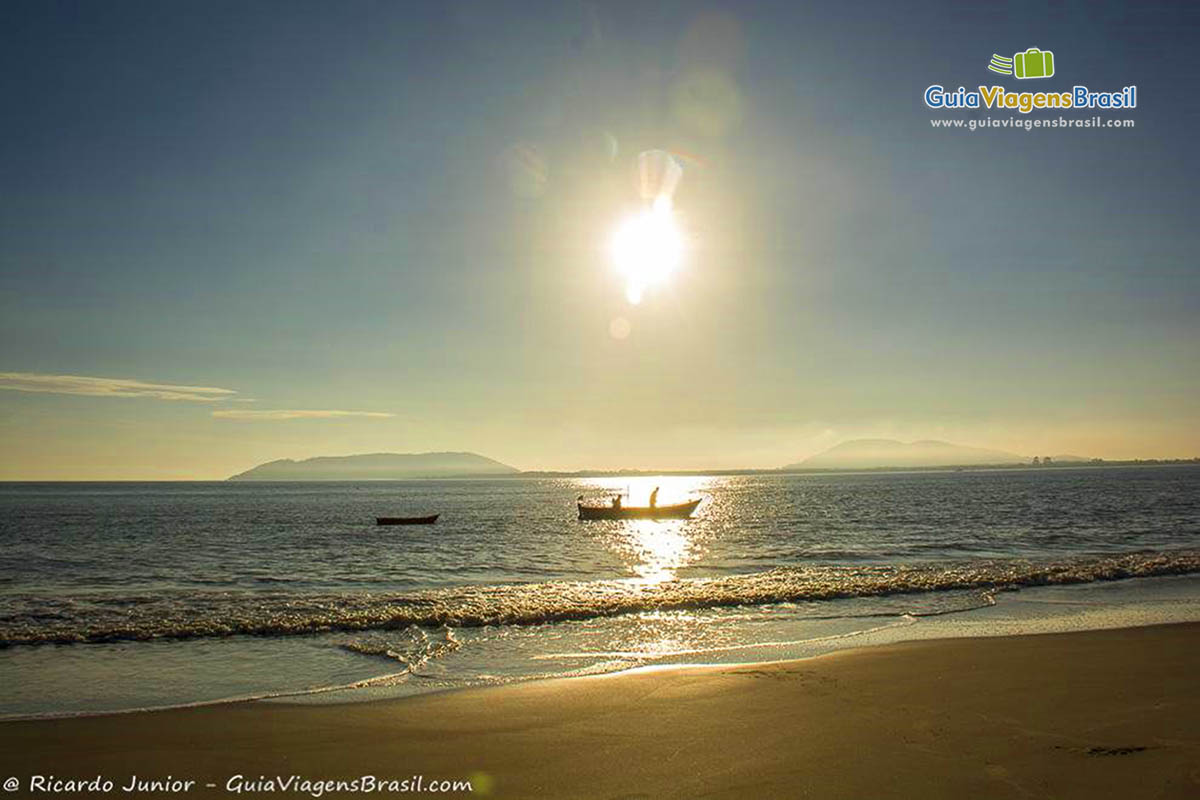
(619, 328)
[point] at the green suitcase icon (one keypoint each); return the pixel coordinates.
(1034, 63)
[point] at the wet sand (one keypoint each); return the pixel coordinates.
(1095, 714)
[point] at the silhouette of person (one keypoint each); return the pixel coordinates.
(617, 501)
(654, 498)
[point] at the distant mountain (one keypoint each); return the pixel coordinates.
(874, 453)
(377, 466)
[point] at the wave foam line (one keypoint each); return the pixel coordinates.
(191, 615)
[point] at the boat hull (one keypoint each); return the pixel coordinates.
(679, 511)
(432, 518)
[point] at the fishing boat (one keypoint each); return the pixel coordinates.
(677, 511)
(429, 520)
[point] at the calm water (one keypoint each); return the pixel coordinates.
(127, 595)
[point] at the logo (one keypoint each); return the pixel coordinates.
(1001, 64)
(1026, 65)
(1033, 63)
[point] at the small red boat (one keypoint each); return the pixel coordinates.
(429, 520)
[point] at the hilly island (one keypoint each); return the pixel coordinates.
(879, 453)
(377, 466)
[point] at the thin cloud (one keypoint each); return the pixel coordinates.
(109, 387)
(276, 415)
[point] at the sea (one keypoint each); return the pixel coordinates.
(124, 596)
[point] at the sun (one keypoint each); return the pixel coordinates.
(647, 249)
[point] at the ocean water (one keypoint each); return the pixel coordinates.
(132, 595)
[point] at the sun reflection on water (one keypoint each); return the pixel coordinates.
(657, 548)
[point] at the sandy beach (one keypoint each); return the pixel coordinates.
(1094, 714)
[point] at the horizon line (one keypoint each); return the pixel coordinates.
(599, 473)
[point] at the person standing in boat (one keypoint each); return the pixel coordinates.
(654, 498)
(616, 501)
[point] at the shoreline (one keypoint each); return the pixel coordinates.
(1051, 609)
(1102, 712)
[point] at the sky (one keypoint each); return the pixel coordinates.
(237, 232)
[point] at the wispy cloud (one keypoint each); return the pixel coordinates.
(275, 415)
(108, 387)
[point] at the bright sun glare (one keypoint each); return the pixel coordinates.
(647, 249)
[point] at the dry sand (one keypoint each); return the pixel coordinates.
(1097, 714)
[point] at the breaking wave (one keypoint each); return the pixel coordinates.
(95, 618)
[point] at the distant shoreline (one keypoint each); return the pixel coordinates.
(857, 470)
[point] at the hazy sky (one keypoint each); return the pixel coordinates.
(404, 210)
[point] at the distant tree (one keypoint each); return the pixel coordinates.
(1036, 461)
(1046, 460)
